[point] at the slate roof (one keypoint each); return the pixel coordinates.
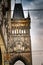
(18, 11)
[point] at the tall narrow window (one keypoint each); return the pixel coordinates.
(12, 31)
(15, 31)
(22, 31)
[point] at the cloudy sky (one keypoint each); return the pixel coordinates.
(36, 22)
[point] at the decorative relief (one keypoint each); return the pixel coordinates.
(19, 44)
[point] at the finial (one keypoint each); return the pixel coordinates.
(28, 15)
(18, 1)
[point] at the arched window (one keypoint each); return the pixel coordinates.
(19, 63)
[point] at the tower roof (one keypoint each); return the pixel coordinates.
(18, 11)
(0, 0)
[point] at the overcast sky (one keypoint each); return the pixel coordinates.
(36, 22)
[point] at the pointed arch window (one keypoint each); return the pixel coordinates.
(19, 63)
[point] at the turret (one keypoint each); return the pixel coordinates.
(28, 16)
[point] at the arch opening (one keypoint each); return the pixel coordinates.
(16, 60)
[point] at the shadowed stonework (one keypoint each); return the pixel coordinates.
(0, 58)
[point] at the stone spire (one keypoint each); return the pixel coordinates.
(28, 16)
(18, 11)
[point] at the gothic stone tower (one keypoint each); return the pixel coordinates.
(18, 37)
(19, 42)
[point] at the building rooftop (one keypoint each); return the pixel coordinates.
(18, 11)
